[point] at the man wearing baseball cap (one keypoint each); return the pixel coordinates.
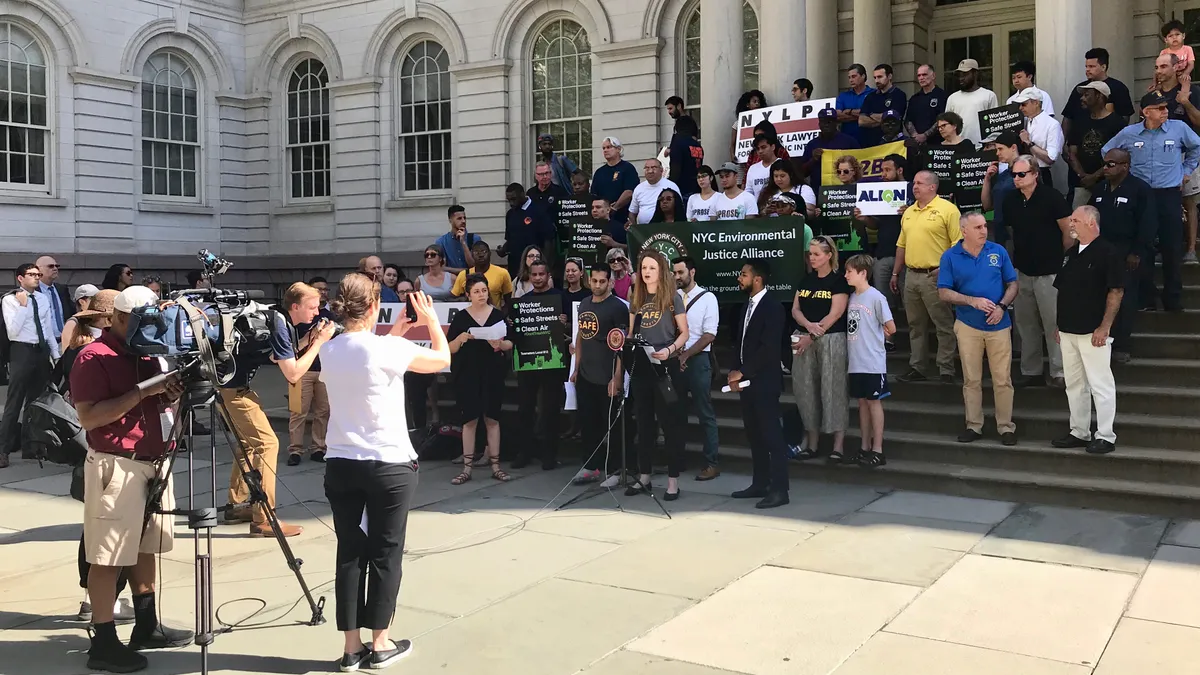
(1088, 134)
(561, 166)
(733, 203)
(1155, 146)
(1042, 133)
(830, 137)
(970, 99)
(126, 422)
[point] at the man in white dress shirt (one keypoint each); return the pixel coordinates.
(30, 330)
(1042, 132)
(695, 363)
(645, 195)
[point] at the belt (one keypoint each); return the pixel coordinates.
(128, 454)
(922, 270)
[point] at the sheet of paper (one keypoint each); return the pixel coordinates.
(743, 385)
(362, 524)
(569, 402)
(496, 332)
(650, 354)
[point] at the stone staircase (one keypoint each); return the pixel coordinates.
(1156, 468)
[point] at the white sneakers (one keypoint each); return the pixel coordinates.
(122, 611)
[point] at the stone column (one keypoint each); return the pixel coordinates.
(821, 44)
(1111, 22)
(1061, 45)
(872, 34)
(720, 74)
(782, 46)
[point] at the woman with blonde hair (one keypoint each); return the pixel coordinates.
(820, 366)
(656, 315)
(371, 466)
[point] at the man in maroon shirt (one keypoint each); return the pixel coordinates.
(126, 422)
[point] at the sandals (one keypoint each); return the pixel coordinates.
(835, 457)
(871, 459)
(806, 453)
(637, 488)
(466, 472)
(498, 473)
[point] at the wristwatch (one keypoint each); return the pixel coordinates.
(1003, 306)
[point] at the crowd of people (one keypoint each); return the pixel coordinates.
(1068, 264)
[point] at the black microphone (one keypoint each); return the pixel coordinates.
(637, 325)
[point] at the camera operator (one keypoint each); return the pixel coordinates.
(246, 412)
(371, 467)
(126, 422)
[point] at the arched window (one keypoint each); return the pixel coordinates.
(562, 89)
(170, 127)
(425, 118)
(690, 66)
(24, 125)
(308, 130)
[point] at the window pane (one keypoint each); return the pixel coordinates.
(37, 110)
(561, 73)
(175, 183)
(189, 183)
(424, 114)
(37, 80)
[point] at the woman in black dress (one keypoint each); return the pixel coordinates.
(479, 367)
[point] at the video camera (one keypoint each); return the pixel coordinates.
(204, 328)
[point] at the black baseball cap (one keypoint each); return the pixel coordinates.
(1153, 98)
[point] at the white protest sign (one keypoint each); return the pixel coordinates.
(881, 199)
(389, 312)
(569, 402)
(796, 124)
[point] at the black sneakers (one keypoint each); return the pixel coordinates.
(109, 655)
(969, 436)
(350, 663)
(160, 637)
(383, 659)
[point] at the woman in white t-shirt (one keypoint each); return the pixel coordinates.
(700, 205)
(785, 179)
(371, 466)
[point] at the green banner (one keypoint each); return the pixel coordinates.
(721, 247)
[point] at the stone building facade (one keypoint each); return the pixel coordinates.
(297, 135)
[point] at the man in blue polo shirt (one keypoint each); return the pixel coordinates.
(977, 277)
(885, 98)
(850, 102)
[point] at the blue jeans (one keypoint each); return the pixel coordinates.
(695, 382)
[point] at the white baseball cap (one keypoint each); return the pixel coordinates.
(1029, 94)
(84, 291)
(134, 297)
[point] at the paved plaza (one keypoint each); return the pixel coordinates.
(848, 580)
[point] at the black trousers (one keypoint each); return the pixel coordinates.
(416, 398)
(28, 372)
(653, 409)
(1168, 213)
(368, 565)
(1123, 327)
(597, 412)
(540, 391)
(768, 452)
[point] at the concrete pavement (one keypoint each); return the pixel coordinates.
(846, 580)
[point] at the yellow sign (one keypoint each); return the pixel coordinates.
(869, 159)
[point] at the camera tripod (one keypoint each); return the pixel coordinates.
(200, 395)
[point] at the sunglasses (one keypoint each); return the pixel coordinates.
(431, 254)
(618, 260)
(53, 267)
(845, 172)
(1021, 174)
(1110, 164)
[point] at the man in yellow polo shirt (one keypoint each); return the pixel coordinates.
(927, 229)
(498, 281)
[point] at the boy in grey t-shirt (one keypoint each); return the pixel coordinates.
(868, 324)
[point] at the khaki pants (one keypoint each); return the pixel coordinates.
(1036, 311)
(972, 345)
(313, 399)
(262, 447)
(923, 307)
(1089, 378)
(114, 511)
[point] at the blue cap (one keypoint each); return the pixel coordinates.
(827, 112)
(891, 115)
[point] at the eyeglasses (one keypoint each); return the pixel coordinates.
(1110, 164)
(32, 274)
(127, 273)
(431, 254)
(1021, 174)
(845, 172)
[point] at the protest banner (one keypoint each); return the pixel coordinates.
(795, 124)
(870, 160)
(941, 162)
(1005, 118)
(882, 199)
(837, 204)
(970, 170)
(583, 240)
(721, 247)
(571, 210)
(391, 311)
(538, 333)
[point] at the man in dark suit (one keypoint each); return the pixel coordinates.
(63, 307)
(758, 339)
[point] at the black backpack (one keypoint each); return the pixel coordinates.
(52, 429)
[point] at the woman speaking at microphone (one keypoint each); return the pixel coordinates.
(656, 315)
(371, 466)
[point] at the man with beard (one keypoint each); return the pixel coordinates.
(970, 99)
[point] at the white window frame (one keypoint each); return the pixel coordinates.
(586, 159)
(289, 197)
(199, 169)
(689, 14)
(49, 164)
(400, 136)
